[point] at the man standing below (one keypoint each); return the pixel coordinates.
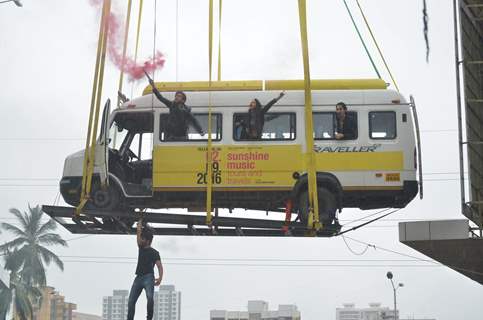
(180, 116)
(346, 125)
(147, 258)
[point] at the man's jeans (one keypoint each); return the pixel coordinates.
(145, 282)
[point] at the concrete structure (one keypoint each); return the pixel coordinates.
(373, 312)
(84, 316)
(449, 242)
(258, 310)
(115, 307)
(167, 303)
(53, 306)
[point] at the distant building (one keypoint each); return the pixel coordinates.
(53, 306)
(373, 312)
(115, 307)
(84, 316)
(258, 310)
(167, 304)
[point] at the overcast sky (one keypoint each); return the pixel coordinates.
(47, 55)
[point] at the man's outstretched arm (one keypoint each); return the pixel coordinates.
(157, 93)
(158, 280)
(139, 230)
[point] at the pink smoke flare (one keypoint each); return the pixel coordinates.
(135, 70)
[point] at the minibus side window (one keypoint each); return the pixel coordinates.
(325, 125)
(382, 125)
(193, 135)
(277, 126)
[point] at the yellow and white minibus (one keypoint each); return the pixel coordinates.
(375, 169)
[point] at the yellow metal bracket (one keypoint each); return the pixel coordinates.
(89, 153)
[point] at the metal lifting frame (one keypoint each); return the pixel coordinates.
(174, 224)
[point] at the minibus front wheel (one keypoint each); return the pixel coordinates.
(106, 199)
(327, 206)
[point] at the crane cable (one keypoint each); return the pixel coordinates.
(377, 45)
(362, 40)
(313, 223)
(154, 55)
(220, 4)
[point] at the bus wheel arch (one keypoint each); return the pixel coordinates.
(329, 193)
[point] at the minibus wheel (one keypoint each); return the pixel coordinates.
(107, 199)
(327, 206)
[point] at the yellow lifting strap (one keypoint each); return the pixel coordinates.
(126, 34)
(89, 153)
(209, 154)
(313, 223)
(209, 160)
(138, 29)
(377, 45)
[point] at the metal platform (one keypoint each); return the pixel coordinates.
(169, 224)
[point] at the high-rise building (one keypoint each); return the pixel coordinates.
(85, 316)
(258, 310)
(167, 303)
(53, 306)
(115, 307)
(373, 312)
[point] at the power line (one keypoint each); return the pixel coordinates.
(246, 259)
(411, 256)
(42, 139)
(263, 265)
(57, 179)
(83, 139)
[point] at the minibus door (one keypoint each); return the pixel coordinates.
(102, 150)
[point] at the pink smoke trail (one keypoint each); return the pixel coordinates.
(132, 68)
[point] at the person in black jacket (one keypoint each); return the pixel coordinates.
(346, 128)
(255, 119)
(180, 116)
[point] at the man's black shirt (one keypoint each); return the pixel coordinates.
(147, 258)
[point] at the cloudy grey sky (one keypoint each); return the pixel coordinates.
(47, 54)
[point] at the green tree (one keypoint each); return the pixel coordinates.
(23, 295)
(28, 249)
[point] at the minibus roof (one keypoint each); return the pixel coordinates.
(267, 85)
